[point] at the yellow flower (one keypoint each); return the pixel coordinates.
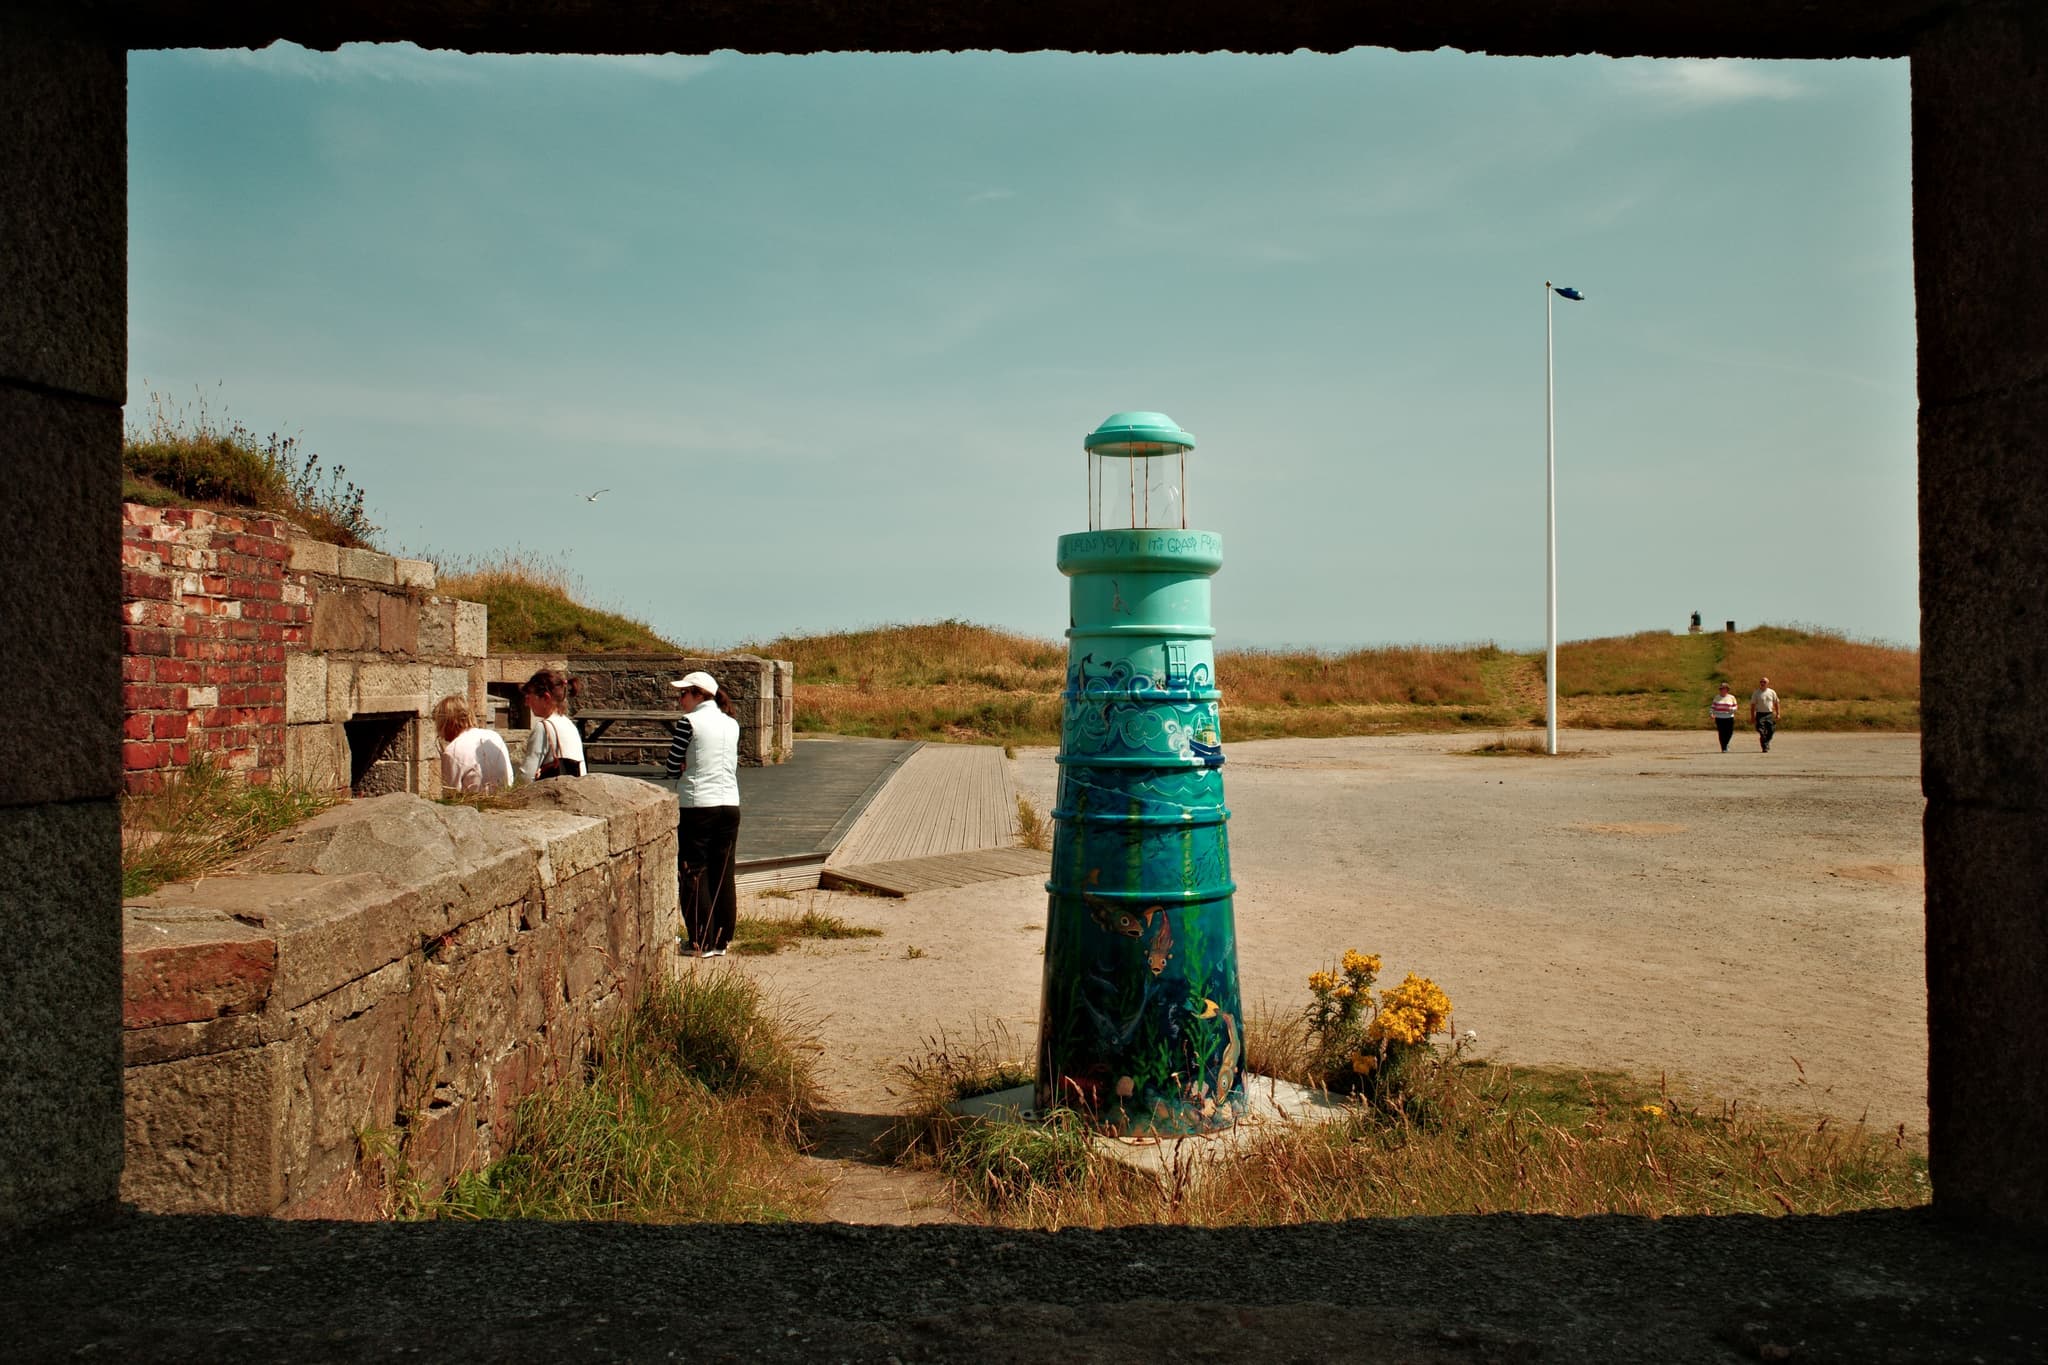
(1322, 982)
(1397, 1023)
(1411, 1011)
(1363, 1064)
(1360, 964)
(1655, 1111)
(1344, 992)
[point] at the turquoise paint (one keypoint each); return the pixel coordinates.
(1140, 1024)
(1140, 433)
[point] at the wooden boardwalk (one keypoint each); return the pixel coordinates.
(947, 818)
(946, 798)
(882, 814)
(792, 815)
(946, 869)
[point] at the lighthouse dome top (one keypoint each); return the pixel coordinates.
(1137, 433)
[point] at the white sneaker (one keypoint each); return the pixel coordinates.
(714, 952)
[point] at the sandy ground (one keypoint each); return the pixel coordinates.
(1748, 924)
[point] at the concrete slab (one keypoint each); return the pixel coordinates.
(1276, 1107)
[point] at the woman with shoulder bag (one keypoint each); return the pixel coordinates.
(553, 746)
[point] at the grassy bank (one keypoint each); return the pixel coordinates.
(957, 681)
(1471, 1137)
(179, 456)
(536, 606)
(694, 1110)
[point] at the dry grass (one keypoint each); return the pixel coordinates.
(536, 607)
(939, 654)
(963, 714)
(1651, 661)
(1396, 675)
(1814, 664)
(955, 681)
(190, 456)
(760, 935)
(1470, 1138)
(694, 1111)
(950, 1068)
(204, 817)
(1032, 829)
(1516, 746)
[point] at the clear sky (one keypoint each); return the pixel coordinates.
(831, 328)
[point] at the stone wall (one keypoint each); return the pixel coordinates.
(207, 617)
(380, 643)
(763, 693)
(244, 639)
(378, 988)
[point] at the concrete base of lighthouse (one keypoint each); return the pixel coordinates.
(1275, 1106)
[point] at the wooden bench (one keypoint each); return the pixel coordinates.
(593, 724)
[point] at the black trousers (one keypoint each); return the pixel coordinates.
(706, 837)
(1726, 725)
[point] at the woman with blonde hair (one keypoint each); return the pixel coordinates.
(472, 759)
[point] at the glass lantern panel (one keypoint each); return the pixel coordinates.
(1137, 491)
(1160, 501)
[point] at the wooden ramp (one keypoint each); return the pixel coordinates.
(911, 875)
(948, 817)
(794, 814)
(945, 798)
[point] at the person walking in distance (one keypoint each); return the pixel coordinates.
(704, 762)
(1763, 712)
(1723, 706)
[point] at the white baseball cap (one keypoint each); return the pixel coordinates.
(703, 682)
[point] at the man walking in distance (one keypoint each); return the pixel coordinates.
(1763, 712)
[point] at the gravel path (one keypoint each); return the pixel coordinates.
(1748, 925)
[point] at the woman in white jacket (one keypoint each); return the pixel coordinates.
(704, 761)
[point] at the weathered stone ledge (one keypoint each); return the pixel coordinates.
(379, 987)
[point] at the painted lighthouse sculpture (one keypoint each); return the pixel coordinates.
(1140, 1025)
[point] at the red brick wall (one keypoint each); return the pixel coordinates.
(207, 613)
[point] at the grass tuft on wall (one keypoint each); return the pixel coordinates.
(175, 456)
(203, 818)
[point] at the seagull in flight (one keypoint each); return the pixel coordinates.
(593, 497)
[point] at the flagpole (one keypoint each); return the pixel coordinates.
(1550, 530)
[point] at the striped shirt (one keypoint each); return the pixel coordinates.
(1724, 704)
(678, 749)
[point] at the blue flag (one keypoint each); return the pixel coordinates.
(1564, 292)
